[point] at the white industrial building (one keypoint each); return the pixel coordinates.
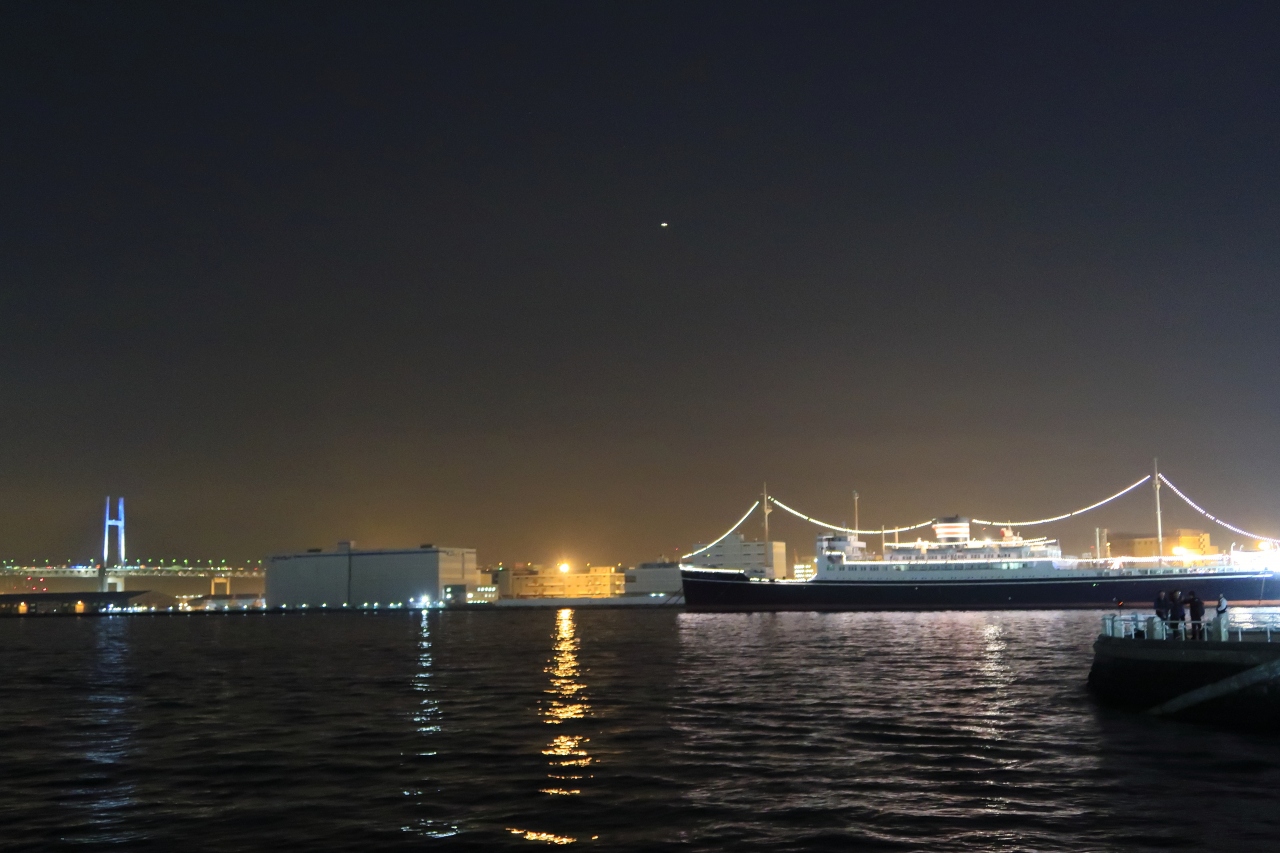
(765, 559)
(349, 578)
(653, 579)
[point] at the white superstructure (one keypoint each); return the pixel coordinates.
(840, 556)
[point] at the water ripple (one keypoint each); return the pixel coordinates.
(626, 731)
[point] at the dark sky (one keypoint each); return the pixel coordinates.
(283, 274)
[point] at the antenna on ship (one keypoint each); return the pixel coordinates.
(764, 504)
(1155, 481)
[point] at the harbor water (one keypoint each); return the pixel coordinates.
(619, 730)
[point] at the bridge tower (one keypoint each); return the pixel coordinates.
(107, 524)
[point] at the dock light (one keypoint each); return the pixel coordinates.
(564, 567)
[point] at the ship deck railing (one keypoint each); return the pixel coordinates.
(1255, 628)
(1212, 564)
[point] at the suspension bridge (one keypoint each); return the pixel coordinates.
(115, 571)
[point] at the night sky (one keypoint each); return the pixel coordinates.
(284, 274)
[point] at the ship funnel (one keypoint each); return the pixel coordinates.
(953, 529)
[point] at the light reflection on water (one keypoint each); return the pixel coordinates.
(567, 752)
(994, 677)
(945, 725)
(567, 707)
(568, 701)
(427, 716)
(110, 738)
(426, 720)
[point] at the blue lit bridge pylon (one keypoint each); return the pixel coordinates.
(107, 524)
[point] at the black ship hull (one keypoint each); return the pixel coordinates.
(711, 590)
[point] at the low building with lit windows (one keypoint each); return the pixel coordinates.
(562, 581)
(1181, 542)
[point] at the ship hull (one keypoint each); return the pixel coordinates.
(731, 591)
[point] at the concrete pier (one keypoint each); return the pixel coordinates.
(1223, 672)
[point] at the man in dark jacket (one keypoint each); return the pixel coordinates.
(1176, 614)
(1195, 609)
(1162, 606)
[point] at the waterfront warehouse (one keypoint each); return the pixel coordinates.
(347, 577)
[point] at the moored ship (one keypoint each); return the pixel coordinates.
(957, 572)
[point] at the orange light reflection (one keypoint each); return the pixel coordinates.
(567, 752)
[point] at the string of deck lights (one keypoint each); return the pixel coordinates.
(724, 536)
(1072, 514)
(1067, 515)
(1213, 517)
(780, 505)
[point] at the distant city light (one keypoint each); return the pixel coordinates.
(564, 567)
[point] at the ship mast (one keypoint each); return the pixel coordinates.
(1155, 481)
(764, 504)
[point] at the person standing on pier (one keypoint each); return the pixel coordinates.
(1195, 609)
(1222, 605)
(1162, 606)
(1176, 614)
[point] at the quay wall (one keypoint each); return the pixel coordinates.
(1141, 674)
(169, 585)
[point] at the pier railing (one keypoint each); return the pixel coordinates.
(1250, 628)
